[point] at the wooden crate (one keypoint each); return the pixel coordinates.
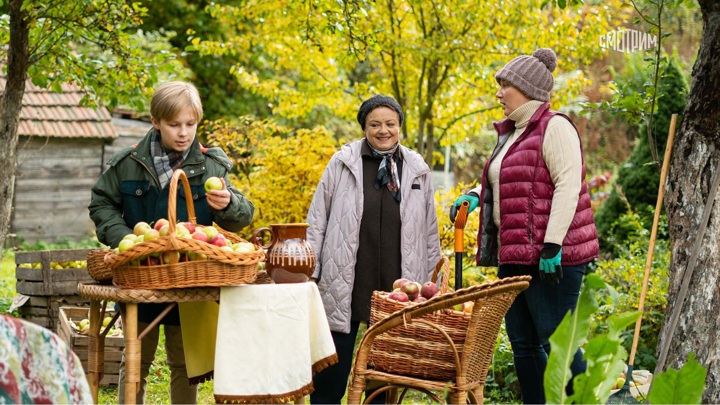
(46, 280)
(45, 311)
(114, 345)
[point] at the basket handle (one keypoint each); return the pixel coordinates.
(444, 265)
(172, 199)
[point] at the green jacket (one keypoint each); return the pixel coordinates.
(129, 192)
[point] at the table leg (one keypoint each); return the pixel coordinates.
(93, 374)
(132, 353)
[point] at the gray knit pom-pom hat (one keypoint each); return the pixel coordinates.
(532, 75)
(376, 101)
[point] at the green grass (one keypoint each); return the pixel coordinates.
(158, 386)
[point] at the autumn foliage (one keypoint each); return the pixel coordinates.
(276, 167)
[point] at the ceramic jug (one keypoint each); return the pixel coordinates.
(290, 257)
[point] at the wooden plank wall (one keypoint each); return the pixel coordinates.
(54, 178)
(52, 188)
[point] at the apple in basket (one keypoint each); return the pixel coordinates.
(219, 240)
(151, 234)
(200, 235)
(399, 282)
(194, 256)
(398, 296)
(210, 231)
(171, 256)
(429, 289)
(244, 247)
(412, 289)
(160, 223)
(189, 225)
(141, 228)
(125, 244)
(181, 230)
(420, 298)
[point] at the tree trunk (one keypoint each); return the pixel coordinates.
(10, 106)
(695, 159)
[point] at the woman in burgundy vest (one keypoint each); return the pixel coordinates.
(535, 217)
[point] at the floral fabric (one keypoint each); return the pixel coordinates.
(37, 367)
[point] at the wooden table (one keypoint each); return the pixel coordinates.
(99, 296)
(242, 302)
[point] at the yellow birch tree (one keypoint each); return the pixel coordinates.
(315, 59)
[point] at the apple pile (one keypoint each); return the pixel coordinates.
(405, 290)
(143, 232)
(76, 264)
(82, 326)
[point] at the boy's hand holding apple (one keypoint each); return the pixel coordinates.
(218, 196)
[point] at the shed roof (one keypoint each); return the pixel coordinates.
(49, 114)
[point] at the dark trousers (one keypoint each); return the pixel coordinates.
(330, 384)
(532, 318)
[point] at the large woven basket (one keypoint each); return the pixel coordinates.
(417, 349)
(222, 267)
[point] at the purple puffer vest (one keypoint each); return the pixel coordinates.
(526, 192)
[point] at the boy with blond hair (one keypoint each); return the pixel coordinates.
(135, 187)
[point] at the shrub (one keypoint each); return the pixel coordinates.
(277, 168)
(638, 178)
(625, 274)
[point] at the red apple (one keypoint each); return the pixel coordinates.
(428, 289)
(190, 226)
(153, 261)
(412, 289)
(219, 240)
(200, 235)
(420, 298)
(399, 282)
(398, 296)
(160, 223)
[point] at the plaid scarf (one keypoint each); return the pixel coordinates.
(387, 172)
(165, 161)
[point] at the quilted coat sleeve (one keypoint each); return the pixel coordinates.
(431, 227)
(319, 212)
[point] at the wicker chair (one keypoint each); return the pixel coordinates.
(472, 359)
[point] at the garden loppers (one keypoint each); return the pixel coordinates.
(623, 396)
(460, 221)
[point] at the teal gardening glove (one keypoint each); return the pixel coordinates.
(550, 268)
(472, 198)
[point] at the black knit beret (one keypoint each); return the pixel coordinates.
(374, 102)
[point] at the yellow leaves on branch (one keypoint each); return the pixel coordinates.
(438, 58)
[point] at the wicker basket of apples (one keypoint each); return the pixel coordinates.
(173, 254)
(417, 349)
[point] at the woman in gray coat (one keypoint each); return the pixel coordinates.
(372, 221)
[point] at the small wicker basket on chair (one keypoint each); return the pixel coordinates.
(409, 329)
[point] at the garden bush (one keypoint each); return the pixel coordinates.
(638, 178)
(625, 274)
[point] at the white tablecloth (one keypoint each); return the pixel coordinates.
(271, 338)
